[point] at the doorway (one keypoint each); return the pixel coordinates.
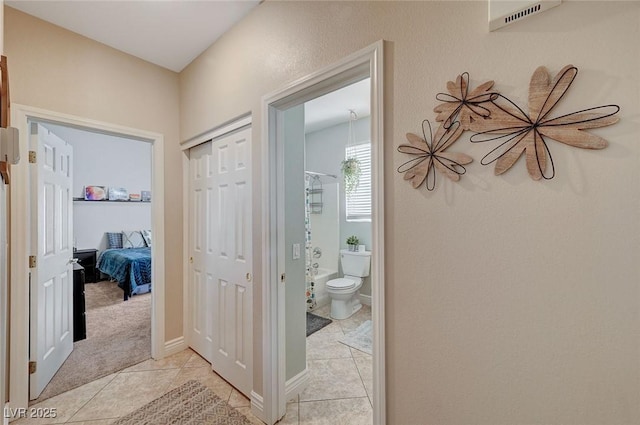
(279, 382)
(337, 229)
(22, 117)
(109, 333)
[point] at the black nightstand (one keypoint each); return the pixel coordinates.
(87, 258)
(79, 317)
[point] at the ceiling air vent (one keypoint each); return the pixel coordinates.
(506, 12)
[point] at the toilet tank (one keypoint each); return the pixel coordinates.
(355, 263)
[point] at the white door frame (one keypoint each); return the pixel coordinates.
(4, 278)
(20, 231)
(366, 62)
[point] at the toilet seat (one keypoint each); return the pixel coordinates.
(341, 283)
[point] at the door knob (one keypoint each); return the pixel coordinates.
(249, 277)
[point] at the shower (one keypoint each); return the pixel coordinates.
(315, 201)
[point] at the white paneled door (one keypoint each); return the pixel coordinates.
(220, 272)
(52, 246)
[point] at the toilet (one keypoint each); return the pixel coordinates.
(343, 291)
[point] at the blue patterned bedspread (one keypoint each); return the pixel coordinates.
(127, 266)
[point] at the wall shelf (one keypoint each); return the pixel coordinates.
(128, 201)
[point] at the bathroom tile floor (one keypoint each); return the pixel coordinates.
(341, 380)
(339, 391)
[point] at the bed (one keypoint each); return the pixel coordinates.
(129, 266)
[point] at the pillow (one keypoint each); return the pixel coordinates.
(114, 240)
(146, 235)
(132, 239)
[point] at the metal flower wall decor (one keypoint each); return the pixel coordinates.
(492, 117)
(429, 155)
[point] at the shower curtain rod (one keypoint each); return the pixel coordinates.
(314, 173)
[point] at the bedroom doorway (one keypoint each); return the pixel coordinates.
(23, 118)
(111, 247)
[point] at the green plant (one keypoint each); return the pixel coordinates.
(351, 171)
(353, 240)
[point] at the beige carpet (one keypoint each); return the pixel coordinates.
(190, 404)
(118, 336)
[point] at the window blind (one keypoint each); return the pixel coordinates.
(358, 202)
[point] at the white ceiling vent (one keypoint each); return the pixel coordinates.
(506, 12)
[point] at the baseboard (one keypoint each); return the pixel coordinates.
(296, 385)
(257, 406)
(365, 299)
(292, 388)
(175, 346)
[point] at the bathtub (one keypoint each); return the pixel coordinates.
(321, 279)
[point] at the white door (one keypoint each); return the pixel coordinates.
(220, 273)
(51, 243)
(200, 288)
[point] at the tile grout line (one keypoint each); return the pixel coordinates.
(120, 372)
(94, 396)
(362, 379)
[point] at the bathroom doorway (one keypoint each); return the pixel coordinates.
(286, 375)
(337, 177)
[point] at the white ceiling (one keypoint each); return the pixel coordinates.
(171, 33)
(333, 108)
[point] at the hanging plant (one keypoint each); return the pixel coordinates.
(351, 167)
(351, 170)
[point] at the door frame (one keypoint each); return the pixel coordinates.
(367, 62)
(21, 115)
(4, 283)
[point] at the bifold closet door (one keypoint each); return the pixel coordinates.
(220, 259)
(200, 293)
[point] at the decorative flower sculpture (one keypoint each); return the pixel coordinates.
(521, 133)
(461, 104)
(430, 155)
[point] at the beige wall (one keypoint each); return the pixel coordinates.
(522, 306)
(58, 70)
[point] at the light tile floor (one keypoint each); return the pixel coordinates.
(339, 391)
(341, 380)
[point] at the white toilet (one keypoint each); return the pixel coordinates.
(344, 291)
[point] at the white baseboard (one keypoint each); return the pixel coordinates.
(365, 299)
(257, 406)
(175, 346)
(294, 386)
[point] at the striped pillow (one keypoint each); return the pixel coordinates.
(146, 235)
(114, 240)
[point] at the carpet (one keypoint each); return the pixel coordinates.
(359, 338)
(315, 323)
(118, 336)
(190, 404)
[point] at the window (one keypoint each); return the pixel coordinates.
(358, 202)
